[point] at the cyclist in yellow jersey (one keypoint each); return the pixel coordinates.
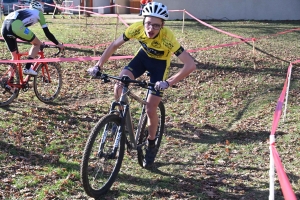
(158, 44)
(16, 26)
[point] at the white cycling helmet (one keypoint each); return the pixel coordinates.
(155, 9)
(37, 5)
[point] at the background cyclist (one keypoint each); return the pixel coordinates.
(158, 44)
(143, 3)
(16, 26)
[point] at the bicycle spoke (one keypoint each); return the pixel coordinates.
(100, 164)
(48, 82)
(8, 77)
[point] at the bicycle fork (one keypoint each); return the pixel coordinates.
(126, 119)
(139, 128)
(102, 142)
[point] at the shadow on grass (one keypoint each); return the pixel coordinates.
(21, 154)
(180, 187)
(171, 185)
(210, 134)
(207, 186)
(243, 70)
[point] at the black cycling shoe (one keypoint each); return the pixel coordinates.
(149, 157)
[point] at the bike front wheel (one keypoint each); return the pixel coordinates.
(143, 137)
(9, 77)
(48, 82)
(101, 161)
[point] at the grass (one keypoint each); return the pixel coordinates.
(218, 119)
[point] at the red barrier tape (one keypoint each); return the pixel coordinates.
(296, 61)
(122, 20)
(214, 47)
(65, 59)
(280, 102)
(285, 185)
(243, 41)
(283, 179)
(191, 50)
(86, 47)
(69, 45)
(212, 27)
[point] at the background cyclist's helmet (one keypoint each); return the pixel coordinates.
(37, 5)
(155, 9)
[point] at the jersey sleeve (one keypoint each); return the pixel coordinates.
(133, 31)
(179, 51)
(42, 20)
(173, 43)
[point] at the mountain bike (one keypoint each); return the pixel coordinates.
(46, 84)
(104, 149)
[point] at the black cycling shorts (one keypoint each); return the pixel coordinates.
(158, 69)
(13, 29)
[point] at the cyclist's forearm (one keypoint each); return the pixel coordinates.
(110, 50)
(106, 55)
(188, 67)
(184, 72)
(50, 36)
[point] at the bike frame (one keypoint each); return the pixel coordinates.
(24, 81)
(126, 117)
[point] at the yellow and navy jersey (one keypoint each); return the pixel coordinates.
(161, 47)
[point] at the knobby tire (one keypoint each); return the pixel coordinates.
(9, 75)
(45, 90)
(99, 173)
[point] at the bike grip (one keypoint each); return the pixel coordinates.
(151, 84)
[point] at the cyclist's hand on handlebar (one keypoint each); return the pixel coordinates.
(61, 46)
(94, 71)
(161, 85)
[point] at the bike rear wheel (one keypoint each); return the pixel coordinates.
(48, 82)
(99, 167)
(143, 137)
(9, 75)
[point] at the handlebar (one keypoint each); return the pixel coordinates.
(125, 80)
(45, 46)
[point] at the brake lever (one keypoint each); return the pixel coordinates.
(105, 80)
